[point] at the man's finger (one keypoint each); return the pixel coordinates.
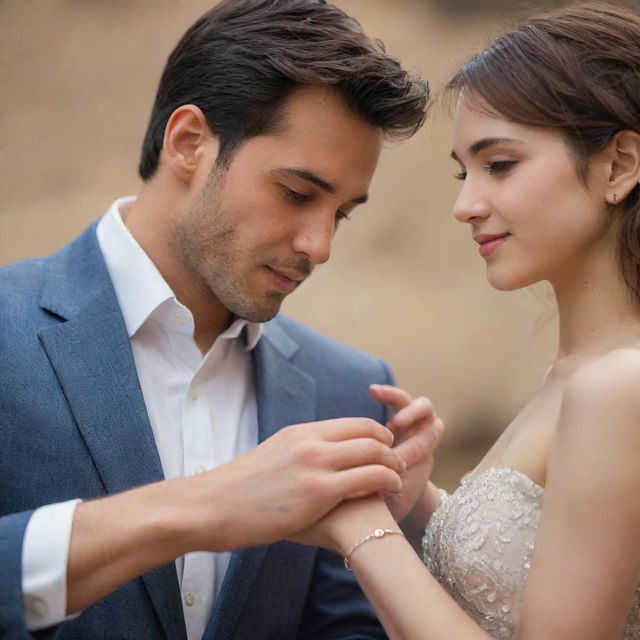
(349, 428)
(364, 481)
(364, 451)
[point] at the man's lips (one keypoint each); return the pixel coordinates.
(489, 242)
(287, 280)
(290, 275)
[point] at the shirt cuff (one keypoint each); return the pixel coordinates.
(45, 553)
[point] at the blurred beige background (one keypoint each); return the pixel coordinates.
(405, 281)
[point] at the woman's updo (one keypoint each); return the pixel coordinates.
(577, 70)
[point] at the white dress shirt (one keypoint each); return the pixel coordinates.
(202, 411)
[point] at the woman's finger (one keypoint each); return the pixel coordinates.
(394, 396)
(417, 410)
(421, 443)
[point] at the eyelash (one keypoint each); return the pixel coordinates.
(494, 168)
(301, 198)
(295, 196)
(500, 166)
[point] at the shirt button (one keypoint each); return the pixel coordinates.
(178, 318)
(200, 469)
(36, 606)
(193, 395)
(189, 599)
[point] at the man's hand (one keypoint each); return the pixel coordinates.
(281, 486)
(417, 431)
(294, 478)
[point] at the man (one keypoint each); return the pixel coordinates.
(138, 376)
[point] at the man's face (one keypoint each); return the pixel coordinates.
(255, 231)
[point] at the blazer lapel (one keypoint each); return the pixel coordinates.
(92, 358)
(285, 395)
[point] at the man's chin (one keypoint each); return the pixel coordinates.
(259, 313)
(260, 317)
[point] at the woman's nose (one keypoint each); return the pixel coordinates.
(470, 205)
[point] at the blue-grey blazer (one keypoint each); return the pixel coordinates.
(73, 423)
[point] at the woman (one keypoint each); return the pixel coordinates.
(542, 539)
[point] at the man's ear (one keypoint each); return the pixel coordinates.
(624, 165)
(188, 143)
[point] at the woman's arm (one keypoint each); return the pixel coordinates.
(586, 563)
(408, 600)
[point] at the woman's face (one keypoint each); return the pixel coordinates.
(532, 216)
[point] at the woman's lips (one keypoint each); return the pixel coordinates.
(489, 243)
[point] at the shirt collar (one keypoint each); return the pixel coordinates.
(248, 332)
(139, 286)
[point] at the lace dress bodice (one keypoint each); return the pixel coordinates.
(479, 543)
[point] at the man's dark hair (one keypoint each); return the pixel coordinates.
(242, 59)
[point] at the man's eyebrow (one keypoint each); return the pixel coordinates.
(485, 143)
(317, 181)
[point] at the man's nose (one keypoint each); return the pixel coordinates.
(314, 237)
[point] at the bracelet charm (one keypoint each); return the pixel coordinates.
(377, 533)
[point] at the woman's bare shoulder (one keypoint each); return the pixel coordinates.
(604, 395)
(614, 375)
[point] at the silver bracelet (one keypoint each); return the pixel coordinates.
(378, 533)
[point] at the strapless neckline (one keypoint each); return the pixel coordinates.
(479, 543)
(471, 477)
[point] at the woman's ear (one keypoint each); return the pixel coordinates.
(623, 165)
(188, 142)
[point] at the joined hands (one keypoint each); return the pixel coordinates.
(417, 432)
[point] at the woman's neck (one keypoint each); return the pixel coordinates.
(597, 311)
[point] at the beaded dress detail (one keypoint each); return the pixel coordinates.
(479, 543)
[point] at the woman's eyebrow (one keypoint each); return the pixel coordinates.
(485, 143)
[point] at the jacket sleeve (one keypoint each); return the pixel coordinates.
(336, 608)
(12, 617)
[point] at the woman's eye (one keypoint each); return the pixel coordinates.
(462, 175)
(500, 166)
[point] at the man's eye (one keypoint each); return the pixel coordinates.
(296, 196)
(342, 215)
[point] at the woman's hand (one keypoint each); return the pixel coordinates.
(417, 430)
(347, 523)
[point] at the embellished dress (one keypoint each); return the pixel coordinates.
(479, 543)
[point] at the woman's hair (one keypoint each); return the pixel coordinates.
(241, 60)
(577, 70)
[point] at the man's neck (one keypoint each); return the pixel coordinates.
(210, 317)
